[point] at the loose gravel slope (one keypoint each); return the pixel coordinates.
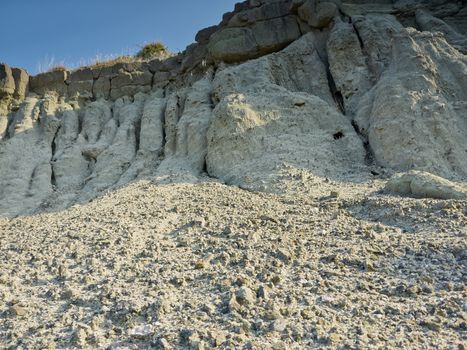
(207, 265)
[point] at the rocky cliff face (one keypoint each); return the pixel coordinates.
(331, 87)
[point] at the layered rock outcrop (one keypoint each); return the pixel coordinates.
(330, 87)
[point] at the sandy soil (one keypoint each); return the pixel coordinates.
(207, 265)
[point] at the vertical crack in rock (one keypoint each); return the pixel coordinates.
(94, 79)
(360, 40)
(53, 146)
(337, 95)
(137, 134)
(369, 154)
(164, 139)
(31, 180)
(80, 123)
(152, 80)
(339, 99)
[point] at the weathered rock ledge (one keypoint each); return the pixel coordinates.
(330, 87)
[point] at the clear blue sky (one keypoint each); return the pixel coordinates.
(34, 32)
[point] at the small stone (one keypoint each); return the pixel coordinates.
(273, 314)
(279, 325)
(306, 314)
(208, 308)
(246, 326)
(141, 332)
(299, 102)
(334, 338)
(427, 289)
(283, 255)
(164, 344)
(195, 342)
(17, 310)
(276, 279)
(431, 325)
(245, 296)
(200, 264)
(279, 345)
(80, 337)
(68, 294)
(218, 337)
(263, 293)
(233, 304)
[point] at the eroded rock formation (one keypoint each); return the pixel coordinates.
(326, 86)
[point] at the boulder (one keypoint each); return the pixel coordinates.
(425, 185)
(101, 87)
(195, 55)
(7, 81)
(317, 15)
(233, 44)
(203, 36)
(236, 44)
(21, 78)
(80, 89)
(267, 11)
(130, 83)
(80, 83)
(275, 34)
(50, 81)
(81, 74)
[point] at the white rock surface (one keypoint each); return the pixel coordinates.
(417, 115)
(425, 185)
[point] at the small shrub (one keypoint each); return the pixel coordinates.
(153, 50)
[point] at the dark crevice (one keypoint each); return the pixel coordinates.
(164, 140)
(336, 94)
(369, 155)
(338, 135)
(152, 80)
(213, 100)
(360, 40)
(112, 113)
(181, 106)
(339, 99)
(110, 89)
(137, 134)
(53, 180)
(94, 79)
(31, 179)
(205, 167)
(80, 122)
(299, 26)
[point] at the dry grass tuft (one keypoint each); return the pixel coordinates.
(57, 68)
(102, 63)
(153, 50)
